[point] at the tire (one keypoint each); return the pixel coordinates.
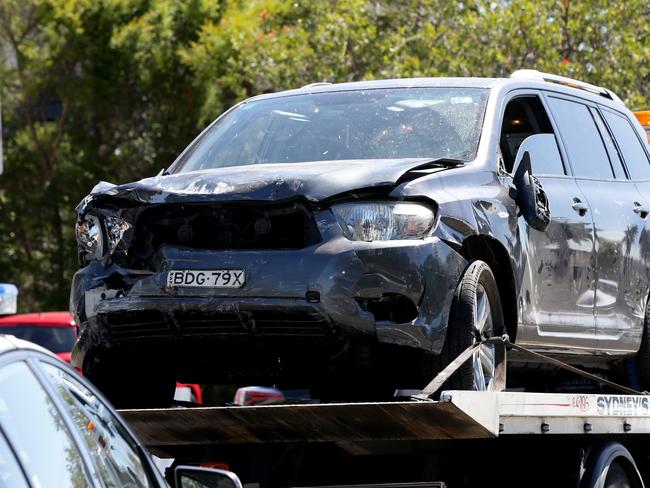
(617, 477)
(643, 355)
(609, 465)
(130, 384)
(476, 310)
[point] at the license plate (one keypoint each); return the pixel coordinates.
(215, 278)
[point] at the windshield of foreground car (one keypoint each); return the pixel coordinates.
(52, 338)
(395, 123)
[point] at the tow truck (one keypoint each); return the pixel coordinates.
(454, 438)
(644, 119)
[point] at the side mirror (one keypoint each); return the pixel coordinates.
(543, 151)
(529, 193)
(195, 477)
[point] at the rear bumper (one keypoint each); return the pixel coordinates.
(326, 290)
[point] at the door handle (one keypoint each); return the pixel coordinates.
(580, 207)
(641, 210)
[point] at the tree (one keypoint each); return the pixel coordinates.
(91, 90)
(115, 89)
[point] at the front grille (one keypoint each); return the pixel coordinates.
(141, 324)
(131, 326)
(225, 226)
(201, 324)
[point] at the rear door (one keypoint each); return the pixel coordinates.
(635, 274)
(600, 175)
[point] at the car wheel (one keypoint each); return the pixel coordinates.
(643, 355)
(617, 477)
(128, 383)
(475, 313)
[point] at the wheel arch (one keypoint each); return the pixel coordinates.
(492, 252)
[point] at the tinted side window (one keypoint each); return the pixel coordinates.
(612, 150)
(116, 457)
(582, 139)
(635, 157)
(36, 430)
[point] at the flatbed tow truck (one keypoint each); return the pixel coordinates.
(463, 438)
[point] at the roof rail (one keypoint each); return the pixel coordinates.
(533, 74)
(318, 83)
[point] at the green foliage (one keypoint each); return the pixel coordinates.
(114, 89)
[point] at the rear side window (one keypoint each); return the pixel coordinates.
(635, 156)
(583, 142)
(614, 156)
(52, 338)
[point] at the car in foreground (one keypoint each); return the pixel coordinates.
(353, 238)
(56, 429)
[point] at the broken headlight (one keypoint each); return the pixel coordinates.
(95, 239)
(115, 229)
(90, 237)
(384, 221)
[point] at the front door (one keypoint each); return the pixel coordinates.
(557, 296)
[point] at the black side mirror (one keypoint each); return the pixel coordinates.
(529, 193)
(195, 477)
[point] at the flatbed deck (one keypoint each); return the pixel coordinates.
(458, 415)
(162, 430)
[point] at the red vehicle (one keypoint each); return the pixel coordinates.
(54, 331)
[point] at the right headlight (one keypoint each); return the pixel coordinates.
(384, 221)
(98, 236)
(90, 237)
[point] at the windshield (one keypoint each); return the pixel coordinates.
(396, 123)
(52, 338)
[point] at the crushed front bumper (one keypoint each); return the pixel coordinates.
(336, 288)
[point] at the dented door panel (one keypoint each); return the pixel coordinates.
(558, 294)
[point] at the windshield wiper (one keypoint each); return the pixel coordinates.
(410, 174)
(439, 163)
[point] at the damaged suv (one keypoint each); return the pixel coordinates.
(363, 234)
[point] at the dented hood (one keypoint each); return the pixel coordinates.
(259, 182)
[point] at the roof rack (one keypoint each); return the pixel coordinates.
(533, 74)
(318, 83)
